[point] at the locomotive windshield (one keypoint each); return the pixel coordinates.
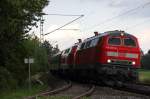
(114, 41)
(126, 41)
(129, 42)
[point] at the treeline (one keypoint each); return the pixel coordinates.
(17, 17)
(14, 73)
(145, 61)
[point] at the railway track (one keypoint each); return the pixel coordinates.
(86, 93)
(64, 88)
(69, 87)
(51, 92)
(128, 91)
(137, 88)
(145, 84)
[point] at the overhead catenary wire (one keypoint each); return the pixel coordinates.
(63, 25)
(62, 14)
(132, 26)
(128, 27)
(138, 24)
(107, 20)
(122, 14)
(70, 29)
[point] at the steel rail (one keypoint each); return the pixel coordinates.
(137, 88)
(87, 93)
(51, 92)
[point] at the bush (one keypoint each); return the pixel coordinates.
(145, 61)
(6, 79)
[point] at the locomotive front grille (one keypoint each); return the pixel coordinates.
(118, 54)
(124, 62)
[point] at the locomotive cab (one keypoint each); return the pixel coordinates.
(121, 55)
(122, 49)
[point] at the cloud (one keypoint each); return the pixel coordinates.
(143, 7)
(143, 39)
(117, 3)
(64, 38)
(126, 3)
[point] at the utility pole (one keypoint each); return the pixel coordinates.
(42, 21)
(41, 28)
(29, 76)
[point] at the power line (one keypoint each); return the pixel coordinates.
(62, 14)
(141, 23)
(56, 14)
(112, 18)
(64, 25)
(132, 26)
(70, 29)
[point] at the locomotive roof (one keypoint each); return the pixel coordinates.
(111, 33)
(76, 44)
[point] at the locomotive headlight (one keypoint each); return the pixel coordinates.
(122, 34)
(108, 61)
(133, 63)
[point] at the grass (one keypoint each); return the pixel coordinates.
(21, 92)
(144, 76)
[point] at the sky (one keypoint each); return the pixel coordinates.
(132, 16)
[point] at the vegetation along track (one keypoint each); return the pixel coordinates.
(51, 92)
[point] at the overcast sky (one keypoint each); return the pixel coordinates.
(99, 15)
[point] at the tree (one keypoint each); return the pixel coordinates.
(48, 47)
(34, 50)
(56, 49)
(145, 60)
(148, 52)
(17, 17)
(51, 50)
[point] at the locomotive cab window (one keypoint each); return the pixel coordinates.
(94, 42)
(88, 44)
(82, 46)
(129, 42)
(100, 40)
(114, 41)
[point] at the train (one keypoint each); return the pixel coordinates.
(112, 57)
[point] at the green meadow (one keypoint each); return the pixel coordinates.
(144, 76)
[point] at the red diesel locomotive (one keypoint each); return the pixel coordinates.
(113, 55)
